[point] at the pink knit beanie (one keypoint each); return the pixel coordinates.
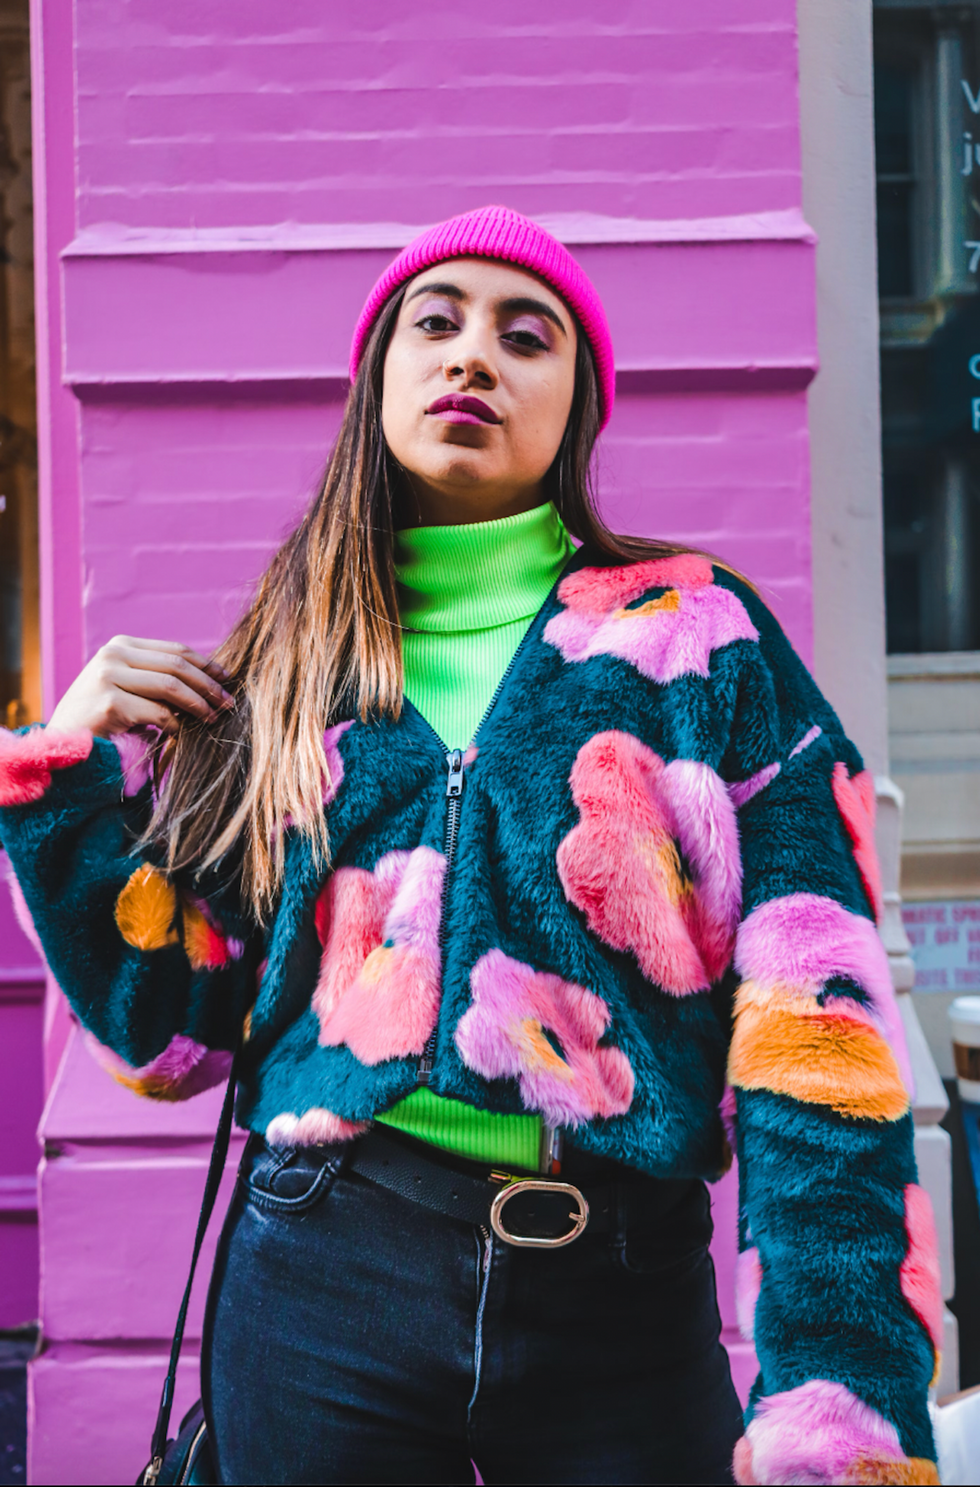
(497, 232)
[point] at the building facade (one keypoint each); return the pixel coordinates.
(216, 187)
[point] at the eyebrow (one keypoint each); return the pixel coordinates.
(524, 303)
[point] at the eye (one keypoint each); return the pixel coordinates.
(436, 324)
(528, 340)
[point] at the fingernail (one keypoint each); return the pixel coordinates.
(227, 700)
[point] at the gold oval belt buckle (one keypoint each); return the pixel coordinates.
(529, 1185)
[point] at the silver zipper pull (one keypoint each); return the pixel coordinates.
(454, 787)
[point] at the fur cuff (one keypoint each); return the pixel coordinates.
(821, 1433)
(27, 759)
(182, 1070)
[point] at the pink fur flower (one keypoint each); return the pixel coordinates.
(380, 973)
(856, 802)
(544, 1032)
(622, 867)
(665, 638)
(135, 750)
(920, 1277)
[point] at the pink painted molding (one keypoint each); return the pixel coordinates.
(111, 239)
(161, 311)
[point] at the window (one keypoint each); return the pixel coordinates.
(927, 144)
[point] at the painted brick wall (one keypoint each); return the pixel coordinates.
(215, 115)
(211, 216)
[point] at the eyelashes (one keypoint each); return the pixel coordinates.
(524, 337)
(428, 323)
(529, 339)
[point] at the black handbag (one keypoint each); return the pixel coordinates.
(187, 1458)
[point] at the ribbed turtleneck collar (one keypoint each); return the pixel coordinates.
(474, 577)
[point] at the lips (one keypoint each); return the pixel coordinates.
(460, 408)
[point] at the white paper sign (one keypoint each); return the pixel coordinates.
(945, 939)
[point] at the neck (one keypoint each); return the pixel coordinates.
(427, 505)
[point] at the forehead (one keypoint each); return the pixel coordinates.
(488, 280)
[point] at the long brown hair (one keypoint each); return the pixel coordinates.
(321, 642)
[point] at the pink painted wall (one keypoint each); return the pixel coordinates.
(21, 1097)
(217, 187)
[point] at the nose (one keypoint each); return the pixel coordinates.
(472, 363)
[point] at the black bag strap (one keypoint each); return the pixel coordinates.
(219, 1153)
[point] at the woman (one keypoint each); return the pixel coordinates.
(493, 852)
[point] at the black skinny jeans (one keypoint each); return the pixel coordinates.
(355, 1337)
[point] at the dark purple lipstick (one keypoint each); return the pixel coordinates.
(461, 408)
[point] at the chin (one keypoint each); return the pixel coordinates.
(462, 467)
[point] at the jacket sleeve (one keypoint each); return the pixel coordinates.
(160, 977)
(837, 1279)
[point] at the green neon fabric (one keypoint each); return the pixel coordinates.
(466, 596)
(500, 1140)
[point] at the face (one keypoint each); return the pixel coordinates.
(478, 384)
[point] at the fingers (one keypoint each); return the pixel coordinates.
(128, 711)
(166, 688)
(174, 647)
(140, 712)
(184, 665)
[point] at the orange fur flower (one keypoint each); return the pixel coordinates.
(145, 910)
(816, 1056)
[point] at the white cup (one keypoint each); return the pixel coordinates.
(964, 1015)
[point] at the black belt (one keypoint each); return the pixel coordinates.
(548, 1213)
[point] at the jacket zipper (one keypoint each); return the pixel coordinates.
(454, 808)
(454, 796)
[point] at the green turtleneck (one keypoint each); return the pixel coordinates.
(466, 596)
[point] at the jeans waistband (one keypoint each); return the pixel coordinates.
(616, 1197)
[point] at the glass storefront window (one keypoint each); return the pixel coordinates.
(927, 142)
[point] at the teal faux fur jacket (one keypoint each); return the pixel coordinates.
(654, 864)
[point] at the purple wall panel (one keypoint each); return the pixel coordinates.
(229, 184)
(683, 301)
(185, 502)
(183, 505)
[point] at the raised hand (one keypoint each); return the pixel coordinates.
(131, 682)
